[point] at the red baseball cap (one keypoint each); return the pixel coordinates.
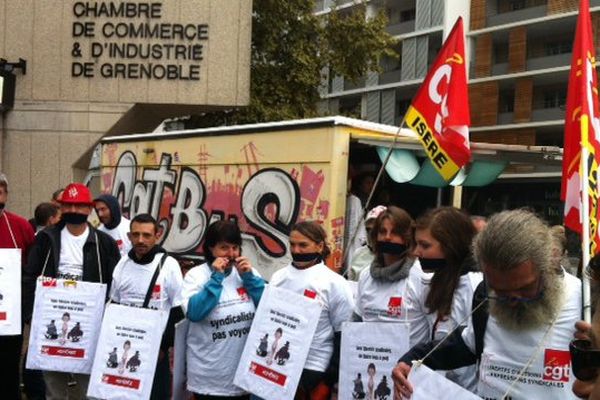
(77, 193)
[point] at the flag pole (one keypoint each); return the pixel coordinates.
(371, 194)
(585, 211)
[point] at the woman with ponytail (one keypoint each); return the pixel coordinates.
(440, 298)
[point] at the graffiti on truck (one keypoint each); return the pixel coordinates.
(185, 199)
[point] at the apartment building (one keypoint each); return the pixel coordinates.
(519, 55)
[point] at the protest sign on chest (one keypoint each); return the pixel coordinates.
(369, 352)
(65, 325)
(127, 352)
(429, 385)
(278, 344)
(10, 292)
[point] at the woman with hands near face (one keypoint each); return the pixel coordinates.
(220, 298)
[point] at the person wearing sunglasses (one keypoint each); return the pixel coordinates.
(521, 347)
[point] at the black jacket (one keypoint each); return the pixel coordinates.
(47, 246)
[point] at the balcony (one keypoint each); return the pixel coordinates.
(558, 60)
(505, 118)
(547, 114)
(349, 85)
(390, 77)
(401, 28)
(517, 15)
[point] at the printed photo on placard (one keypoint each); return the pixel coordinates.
(369, 351)
(65, 325)
(127, 352)
(278, 344)
(10, 292)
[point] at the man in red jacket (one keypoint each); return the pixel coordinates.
(15, 232)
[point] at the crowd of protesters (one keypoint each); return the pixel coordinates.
(479, 296)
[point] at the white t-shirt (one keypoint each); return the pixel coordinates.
(380, 301)
(70, 262)
(332, 291)
(131, 281)
(505, 352)
(119, 233)
(425, 326)
(215, 344)
(354, 223)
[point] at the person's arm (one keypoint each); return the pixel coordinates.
(340, 311)
(35, 263)
(203, 302)
(453, 353)
(255, 285)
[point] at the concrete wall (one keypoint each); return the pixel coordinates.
(60, 112)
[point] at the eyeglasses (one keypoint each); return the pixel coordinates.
(525, 298)
(585, 361)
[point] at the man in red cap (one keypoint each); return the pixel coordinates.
(15, 233)
(75, 250)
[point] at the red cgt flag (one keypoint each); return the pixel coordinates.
(581, 130)
(439, 113)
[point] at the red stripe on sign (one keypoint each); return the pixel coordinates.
(268, 374)
(120, 381)
(3, 316)
(63, 352)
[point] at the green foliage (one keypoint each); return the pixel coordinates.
(291, 47)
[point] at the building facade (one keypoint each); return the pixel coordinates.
(519, 54)
(109, 67)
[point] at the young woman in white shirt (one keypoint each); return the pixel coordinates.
(309, 276)
(220, 297)
(381, 286)
(439, 298)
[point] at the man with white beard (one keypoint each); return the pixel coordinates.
(520, 334)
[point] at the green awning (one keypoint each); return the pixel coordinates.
(403, 167)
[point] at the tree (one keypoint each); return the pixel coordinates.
(291, 47)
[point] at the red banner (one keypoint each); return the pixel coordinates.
(439, 113)
(121, 381)
(3, 316)
(63, 351)
(268, 373)
(581, 120)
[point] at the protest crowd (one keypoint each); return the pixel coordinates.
(490, 307)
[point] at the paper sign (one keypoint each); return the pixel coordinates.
(429, 385)
(65, 325)
(180, 391)
(127, 352)
(369, 352)
(278, 344)
(10, 292)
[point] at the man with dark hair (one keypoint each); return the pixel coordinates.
(148, 269)
(46, 214)
(113, 223)
(74, 250)
(524, 316)
(15, 233)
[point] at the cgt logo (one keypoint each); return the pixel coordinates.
(557, 365)
(394, 306)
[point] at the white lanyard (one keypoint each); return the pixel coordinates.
(10, 230)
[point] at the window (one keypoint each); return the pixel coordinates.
(408, 15)
(402, 106)
(500, 53)
(506, 101)
(557, 47)
(515, 5)
(556, 98)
